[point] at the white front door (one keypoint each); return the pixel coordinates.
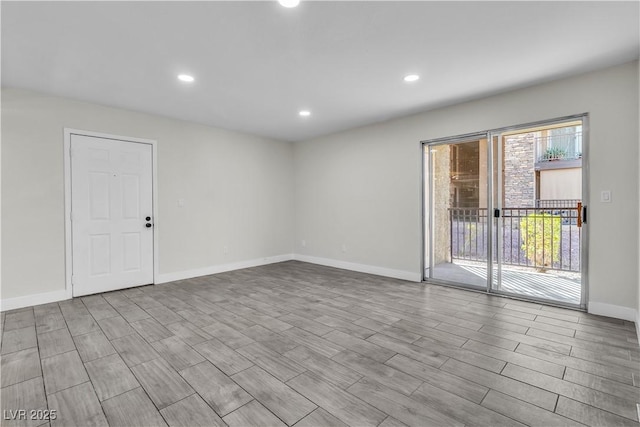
(111, 214)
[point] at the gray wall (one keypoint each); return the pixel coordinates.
(362, 187)
(238, 190)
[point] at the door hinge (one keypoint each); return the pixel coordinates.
(73, 280)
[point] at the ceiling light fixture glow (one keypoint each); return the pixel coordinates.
(289, 3)
(411, 78)
(305, 113)
(185, 78)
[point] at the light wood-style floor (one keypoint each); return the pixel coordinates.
(304, 345)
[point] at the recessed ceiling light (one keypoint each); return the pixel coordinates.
(289, 3)
(185, 78)
(305, 113)
(411, 78)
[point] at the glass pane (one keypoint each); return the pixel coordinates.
(458, 213)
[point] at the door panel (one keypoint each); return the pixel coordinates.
(131, 251)
(130, 196)
(111, 195)
(99, 195)
(538, 250)
(99, 254)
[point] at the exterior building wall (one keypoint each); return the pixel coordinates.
(519, 174)
(565, 184)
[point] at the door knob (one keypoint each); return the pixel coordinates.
(148, 218)
(148, 225)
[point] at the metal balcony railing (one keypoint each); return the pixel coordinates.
(559, 147)
(556, 203)
(541, 238)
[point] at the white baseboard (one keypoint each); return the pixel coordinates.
(638, 324)
(611, 310)
(362, 268)
(35, 299)
(214, 269)
(44, 298)
(598, 308)
(55, 296)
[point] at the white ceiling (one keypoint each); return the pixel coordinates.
(257, 64)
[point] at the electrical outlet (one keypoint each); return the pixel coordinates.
(225, 250)
(303, 243)
(180, 203)
(344, 247)
(605, 196)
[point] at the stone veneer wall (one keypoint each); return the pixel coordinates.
(519, 173)
(442, 202)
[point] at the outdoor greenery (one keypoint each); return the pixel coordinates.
(553, 153)
(541, 234)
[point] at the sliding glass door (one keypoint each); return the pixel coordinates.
(504, 211)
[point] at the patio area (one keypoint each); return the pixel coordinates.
(554, 285)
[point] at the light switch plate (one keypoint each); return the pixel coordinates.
(605, 196)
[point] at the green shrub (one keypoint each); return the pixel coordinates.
(555, 153)
(541, 234)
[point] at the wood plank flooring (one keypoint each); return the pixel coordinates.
(305, 345)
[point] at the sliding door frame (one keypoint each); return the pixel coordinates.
(427, 206)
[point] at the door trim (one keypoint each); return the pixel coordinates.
(68, 243)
